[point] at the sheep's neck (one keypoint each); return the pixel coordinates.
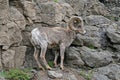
(72, 33)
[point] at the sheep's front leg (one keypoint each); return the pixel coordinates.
(36, 52)
(62, 50)
(42, 56)
(56, 57)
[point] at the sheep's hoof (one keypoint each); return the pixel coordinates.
(48, 68)
(61, 67)
(41, 68)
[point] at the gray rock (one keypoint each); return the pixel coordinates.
(19, 57)
(114, 35)
(94, 37)
(97, 8)
(67, 74)
(53, 13)
(55, 74)
(18, 18)
(1, 66)
(4, 7)
(78, 5)
(90, 41)
(112, 72)
(99, 77)
(11, 30)
(73, 57)
(2, 78)
(94, 20)
(30, 10)
(116, 12)
(72, 77)
(94, 58)
(8, 58)
(4, 38)
(116, 46)
(14, 34)
(118, 23)
(88, 7)
(14, 57)
(42, 1)
(78, 42)
(4, 16)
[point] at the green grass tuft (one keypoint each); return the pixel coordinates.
(56, 0)
(91, 46)
(16, 74)
(87, 76)
(51, 64)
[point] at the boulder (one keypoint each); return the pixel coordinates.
(30, 10)
(88, 7)
(3, 21)
(116, 12)
(94, 37)
(73, 58)
(11, 30)
(77, 5)
(94, 7)
(4, 38)
(54, 14)
(19, 56)
(4, 12)
(17, 18)
(72, 77)
(118, 23)
(42, 1)
(116, 46)
(99, 77)
(110, 72)
(14, 57)
(94, 20)
(55, 75)
(14, 34)
(8, 58)
(90, 41)
(1, 66)
(94, 58)
(113, 35)
(2, 78)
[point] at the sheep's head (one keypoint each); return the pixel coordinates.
(76, 23)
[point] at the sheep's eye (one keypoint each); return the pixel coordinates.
(75, 21)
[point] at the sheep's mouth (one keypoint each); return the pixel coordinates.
(81, 32)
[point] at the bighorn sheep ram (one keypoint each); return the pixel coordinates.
(46, 37)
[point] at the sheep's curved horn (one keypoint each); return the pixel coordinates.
(71, 22)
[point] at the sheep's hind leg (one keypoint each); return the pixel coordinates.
(42, 56)
(36, 52)
(55, 59)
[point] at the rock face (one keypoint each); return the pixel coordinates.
(54, 74)
(57, 74)
(99, 47)
(110, 72)
(94, 20)
(53, 13)
(91, 57)
(73, 58)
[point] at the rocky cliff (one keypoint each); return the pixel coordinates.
(97, 51)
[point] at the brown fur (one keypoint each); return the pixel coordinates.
(46, 37)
